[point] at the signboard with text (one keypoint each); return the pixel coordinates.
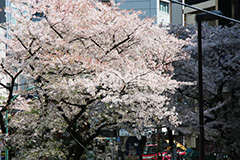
(124, 132)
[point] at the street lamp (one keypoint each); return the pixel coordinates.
(199, 19)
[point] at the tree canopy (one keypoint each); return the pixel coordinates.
(220, 85)
(92, 66)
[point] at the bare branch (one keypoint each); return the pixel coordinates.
(5, 86)
(118, 44)
(8, 73)
(10, 94)
(63, 115)
(96, 43)
(52, 27)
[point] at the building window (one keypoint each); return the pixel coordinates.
(164, 7)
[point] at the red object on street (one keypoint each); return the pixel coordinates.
(150, 153)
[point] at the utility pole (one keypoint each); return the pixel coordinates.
(200, 18)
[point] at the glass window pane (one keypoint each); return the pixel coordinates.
(164, 7)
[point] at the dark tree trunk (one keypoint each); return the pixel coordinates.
(79, 150)
(142, 144)
(71, 150)
(170, 136)
(75, 152)
(2, 123)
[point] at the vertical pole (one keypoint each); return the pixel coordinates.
(6, 122)
(159, 145)
(6, 150)
(183, 14)
(200, 87)
(111, 140)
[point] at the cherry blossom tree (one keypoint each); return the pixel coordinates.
(92, 66)
(220, 84)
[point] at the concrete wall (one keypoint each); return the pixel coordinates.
(191, 142)
(176, 13)
(147, 6)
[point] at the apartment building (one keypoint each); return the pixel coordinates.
(3, 18)
(229, 8)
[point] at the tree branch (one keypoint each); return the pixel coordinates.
(63, 115)
(7, 87)
(8, 73)
(118, 44)
(51, 26)
(96, 43)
